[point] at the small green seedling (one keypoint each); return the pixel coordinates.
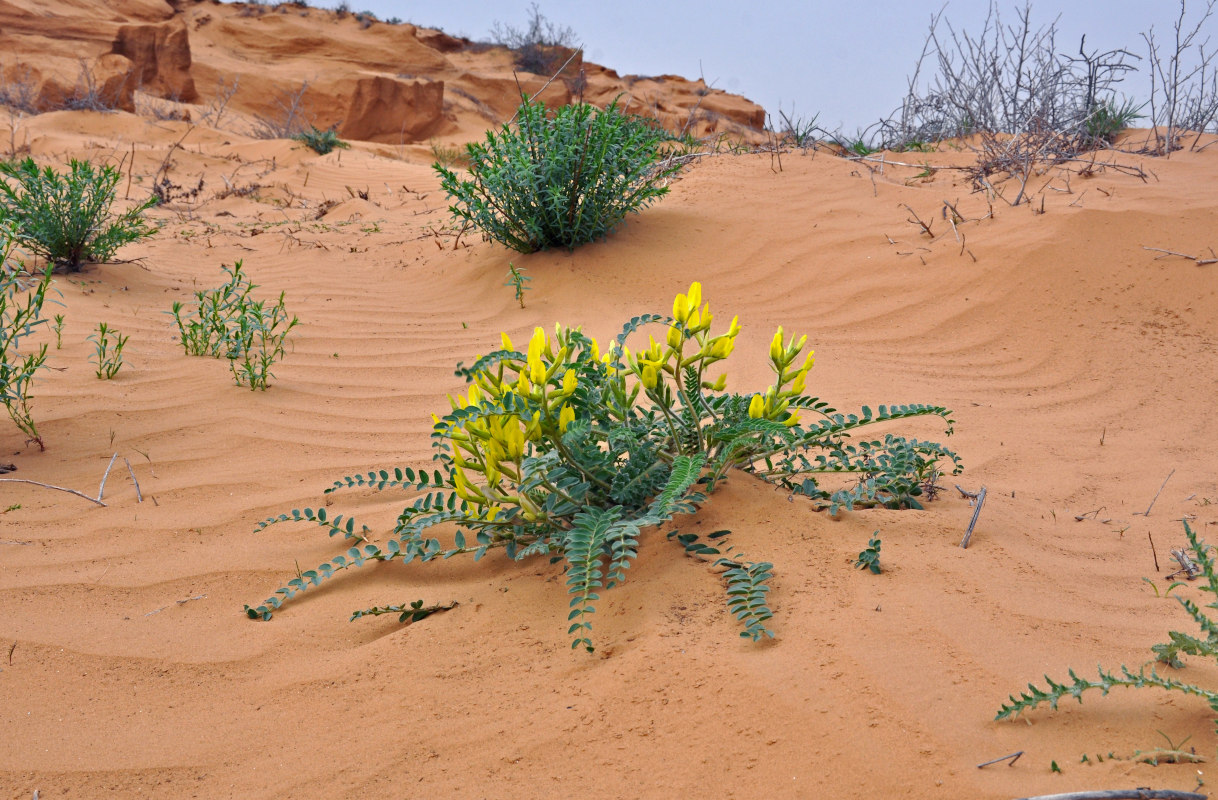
(870, 558)
(108, 346)
(517, 280)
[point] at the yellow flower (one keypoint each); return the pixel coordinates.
(757, 407)
(675, 337)
(797, 386)
(695, 295)
(650, 376)
(537, 370)
(507, 343)
(568, 381)
(776, 349)
(680, 308)
(513, 439)
(565, 418)
(791, 421)
(720, 384)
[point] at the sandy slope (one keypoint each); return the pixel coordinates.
(1079, 366)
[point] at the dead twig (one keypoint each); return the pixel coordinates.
(1201, 261)
(95, 501)
(979, 501)
(918, 221)
(1013, 758)
(101, 490)
(1153, 552)
(139, 496)
(1188, 567)
(1146, 513)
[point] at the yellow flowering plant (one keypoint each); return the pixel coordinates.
(566, 449)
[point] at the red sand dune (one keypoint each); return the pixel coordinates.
(1079, 364)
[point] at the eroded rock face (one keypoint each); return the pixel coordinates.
(379, 108)
(160, 58)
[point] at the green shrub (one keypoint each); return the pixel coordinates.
(20, 312)
(558, 179)
(67, 218)
(321, 141)
(570, 452)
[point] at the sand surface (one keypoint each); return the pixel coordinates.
(1080, 367)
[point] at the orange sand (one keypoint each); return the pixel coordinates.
(1079, 365)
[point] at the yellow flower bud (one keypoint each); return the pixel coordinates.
(650, 376)
(568, 381)
(680, 308)
(507, 343)
(596, 351)
(537, 370)
(565, 418)
(776, 349)
(757, 407)
(734, 328)
(513, 438)
(675, 338)
(791, 421)
(695, 295)
(720, 384)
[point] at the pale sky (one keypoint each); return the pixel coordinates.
(847, 60)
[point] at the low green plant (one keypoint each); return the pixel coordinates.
(259, 342)
(67, 218)
(567, 451)
(108, 346)
(1206, 644)
(227, 322)
(58, 328)
(20, 313)
(558, 178)
(870, 558)
(320, 141)
(446, 155)
(1108, 119)
(206, 330)
(517, 280)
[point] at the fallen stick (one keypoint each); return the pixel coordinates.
(57, 488)
(1122, 794)
(1199, 260)
(980, 501)
(1013, 758)
(1146, 513)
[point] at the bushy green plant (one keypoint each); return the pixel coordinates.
(560, 178)
(108, 347)
(1206, 644)
(67, 218)
(227, 322)
(569, 451)
(20, 312)
(321, 141)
